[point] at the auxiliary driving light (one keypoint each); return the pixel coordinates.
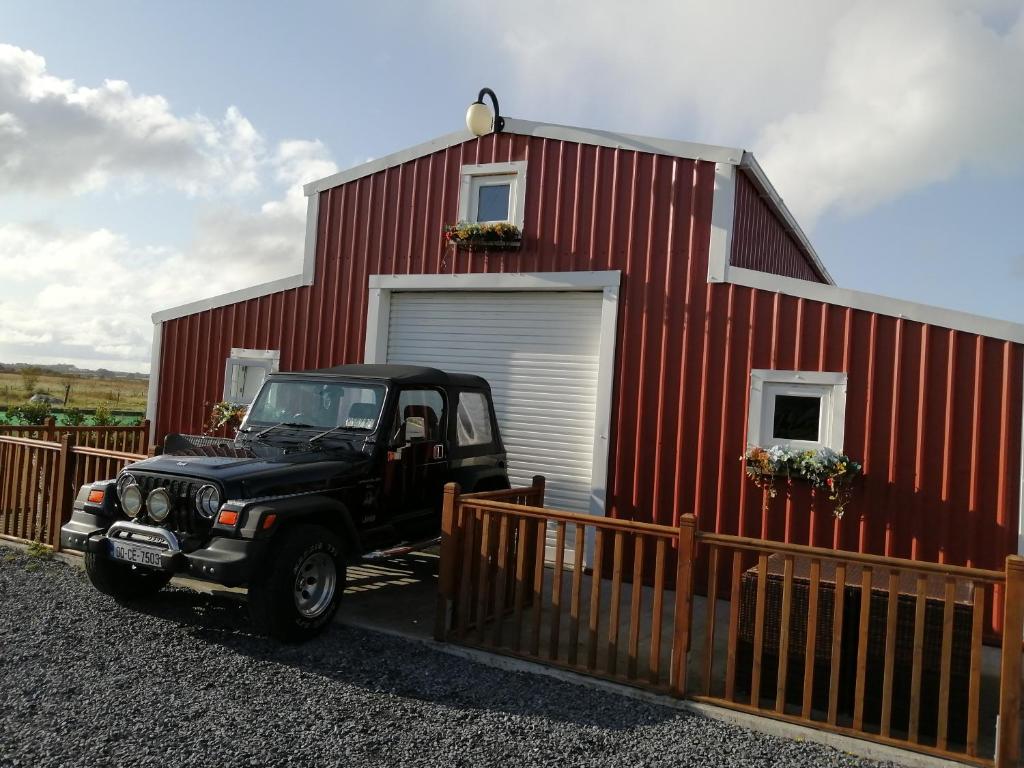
(131, 499)
(158, 504)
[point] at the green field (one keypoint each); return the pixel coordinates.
(86, 392)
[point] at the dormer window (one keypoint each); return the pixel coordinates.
(493, 192)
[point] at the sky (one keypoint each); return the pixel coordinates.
(153, 153)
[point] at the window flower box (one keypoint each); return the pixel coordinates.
(493, 236)
(823, 469)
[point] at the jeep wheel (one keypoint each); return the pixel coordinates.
(299, 593)
(123, 581)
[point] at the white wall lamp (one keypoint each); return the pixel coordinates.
(479, 119)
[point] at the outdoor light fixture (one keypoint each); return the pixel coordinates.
(479, 119)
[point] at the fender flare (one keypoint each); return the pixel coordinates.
(314, 509)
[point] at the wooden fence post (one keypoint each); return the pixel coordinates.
(539, 484)
(143, 438)
(684, 603)
(64, 495)
(446, 581)
(1008, 732)
(51, 429)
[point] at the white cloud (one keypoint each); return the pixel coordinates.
(847, 104)
(57, 137)
(86, 296)
(911, 94)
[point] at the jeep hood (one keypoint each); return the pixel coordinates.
(249, 476)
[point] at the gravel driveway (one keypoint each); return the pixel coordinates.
(183, 681)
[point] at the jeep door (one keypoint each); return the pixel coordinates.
(417, 460)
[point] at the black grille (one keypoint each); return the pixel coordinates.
(183, 517)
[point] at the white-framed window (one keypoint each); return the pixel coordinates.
(244, 372)
(493, 192)
(797, 409)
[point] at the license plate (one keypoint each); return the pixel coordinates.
(133, 553)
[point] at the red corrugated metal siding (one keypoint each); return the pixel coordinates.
(941, 458)
(761, 242)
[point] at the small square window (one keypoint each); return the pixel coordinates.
(797, 417)
(492, 202)
(244, 373)
(493, 192)
(798, 409)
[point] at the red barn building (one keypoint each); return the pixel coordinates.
(663, 304)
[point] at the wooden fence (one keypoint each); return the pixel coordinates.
(39, 479)
(878, 648)
(124, 439)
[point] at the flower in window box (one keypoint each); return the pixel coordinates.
(823, 469)
(489, 236)
(225, 414)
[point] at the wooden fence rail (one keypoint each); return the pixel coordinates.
(878, 648)
(38, 481)
(875, 647)
(124, 439)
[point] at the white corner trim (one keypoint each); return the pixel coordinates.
(882, 305)
(263, 289)
(153, 390)
(829, 384)
(505, 281)
(722, 211)
(603, 410)
(309, 249)
(774, 199)
(513, 172)
(1020, 493)
(378, 317)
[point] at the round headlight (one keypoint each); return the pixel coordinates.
(208, 501)
(158, 504)
(131, 499)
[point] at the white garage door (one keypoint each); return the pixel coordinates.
(539, 351)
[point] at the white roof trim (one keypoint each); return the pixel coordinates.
(263, 289)
(883, 305)
(656, 146)
(232, 297)
(774, 200)
(669, 147)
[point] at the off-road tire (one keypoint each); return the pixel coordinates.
(273, 604)
(122, 581)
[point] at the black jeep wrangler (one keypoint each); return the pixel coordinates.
(329, 466)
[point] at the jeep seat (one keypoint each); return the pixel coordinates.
(430, 430)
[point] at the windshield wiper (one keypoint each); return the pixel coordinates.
(272, 427)
(320, 435)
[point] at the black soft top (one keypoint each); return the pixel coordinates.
(403, 374)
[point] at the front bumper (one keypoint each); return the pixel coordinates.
(230, 562)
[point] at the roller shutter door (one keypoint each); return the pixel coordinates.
(539, 351)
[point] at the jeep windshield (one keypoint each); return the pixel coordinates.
(289, 404)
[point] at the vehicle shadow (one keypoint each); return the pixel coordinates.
(385, 594)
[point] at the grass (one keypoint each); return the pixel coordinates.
(36, 549)
(86, 392)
